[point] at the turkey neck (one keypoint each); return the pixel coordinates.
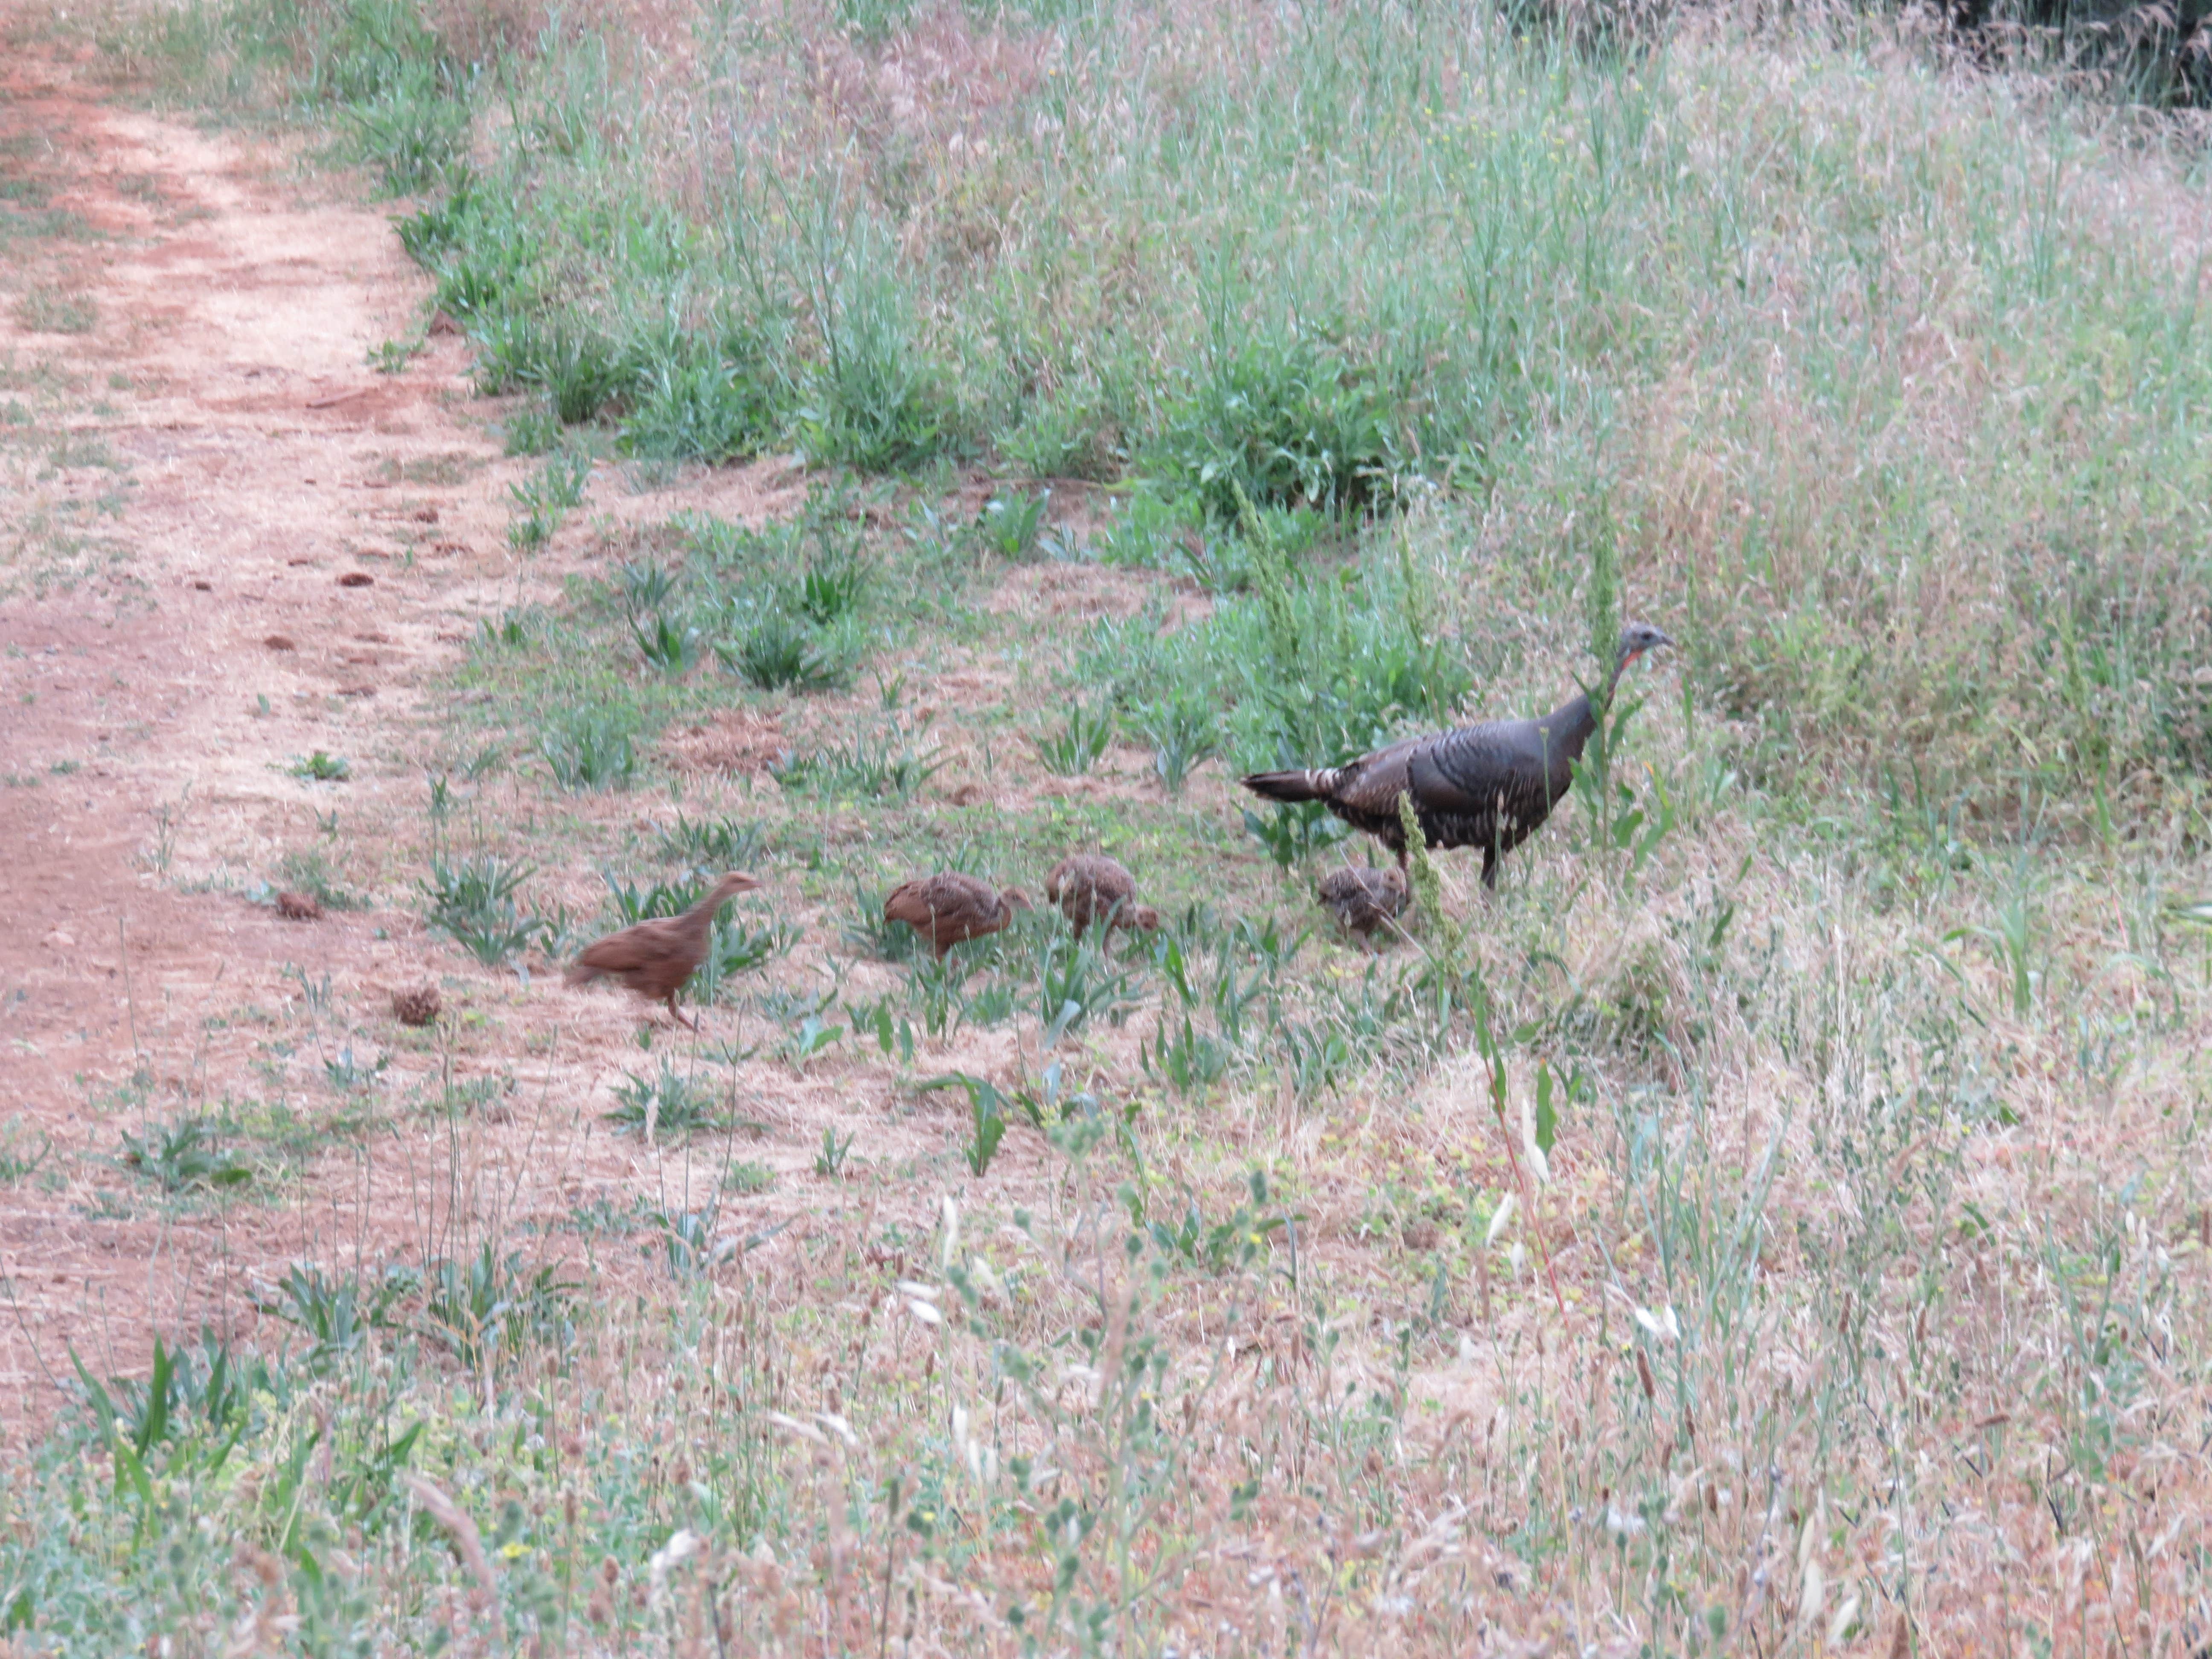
(1567, 730)
(701, 917)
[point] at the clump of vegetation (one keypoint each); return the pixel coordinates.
(323, 769)
(667, 1104)
(185, 1155)
(590, 748)
(473, 900)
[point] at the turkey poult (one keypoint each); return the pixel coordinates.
(947, 909)
(1363, 900)
(1091, 887)
(654, 958)
(1489, 786)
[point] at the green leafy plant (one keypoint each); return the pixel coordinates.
(831, 1160)
(485, 1308)
(187, 1155)
(866, 929)
(473, 900)
(887, 765)
(724, 843)
(338, 1313)
(645, 586)
(322, 768)
(589, 748)
(1294, 833)
(1009, 523)
(18, 1162)
(668, 1104)
(1182, 732)
(687, 1239)
(1075, 748)
(776, 649)
(743, 1180)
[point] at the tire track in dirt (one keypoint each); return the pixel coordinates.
(300, 542)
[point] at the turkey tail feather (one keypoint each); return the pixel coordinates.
(1293, 785)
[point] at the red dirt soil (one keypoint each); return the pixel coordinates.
(307, 542)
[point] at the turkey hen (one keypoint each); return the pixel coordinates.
(948, 908)
(1489, 786)
(1091, 887)
(654, 958)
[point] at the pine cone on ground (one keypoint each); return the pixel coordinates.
(420, 1007)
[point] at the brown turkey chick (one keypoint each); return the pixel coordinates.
(654, 958)
(948, 908)
(298, 907)
(1364, 900)
(1091, 887)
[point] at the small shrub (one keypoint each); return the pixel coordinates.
(831, 1160)
(577, 368)
(738, 947)
(544, 501)
(18, 1162)
(869, 931)
(634, 904)
(645, 586)
(1288, 419)
(1293, 833)
(1074, 985)
(875, 403)
(47, 310)
(835, 581)
(687, 1237)
(533, 429)
(337, 1314)
(412, 130)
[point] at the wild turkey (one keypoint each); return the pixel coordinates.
(1489, 786)
(1364, 900)
(1091, 887)
(949, 909)
(654, 958)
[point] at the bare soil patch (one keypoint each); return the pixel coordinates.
(301, 545)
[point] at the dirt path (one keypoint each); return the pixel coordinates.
(232, 544)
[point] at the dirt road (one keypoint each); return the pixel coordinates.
(227, 544)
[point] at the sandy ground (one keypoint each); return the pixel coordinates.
(302, 543)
